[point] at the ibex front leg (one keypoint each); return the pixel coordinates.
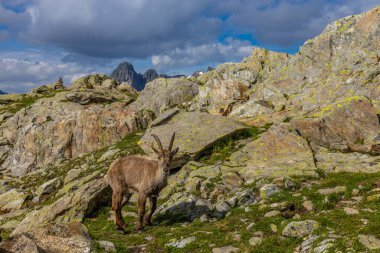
(117, 198)
(153, 205)
(141, 211)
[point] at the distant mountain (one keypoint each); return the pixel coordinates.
(2, 92)
(125, 72)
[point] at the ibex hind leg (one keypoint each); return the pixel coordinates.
(153, 205)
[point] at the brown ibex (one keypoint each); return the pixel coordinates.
(142, 175)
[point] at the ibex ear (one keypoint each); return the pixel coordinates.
(175, 151)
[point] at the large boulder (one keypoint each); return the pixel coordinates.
(12, 200)
(54, 128)
(162, 94)
(350, 124)
(278, 152)
(70, 237)
(195, 132)
(71, 207)
(96, 81)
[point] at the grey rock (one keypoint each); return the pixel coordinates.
(300, 228)
(182, 243)
(49, 186)
(225, 249)
(107, 246)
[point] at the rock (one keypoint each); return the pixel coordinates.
(107, 246)
(126, 87)
(10, 225)
(232, 180)
(193, 135)
(308, 205)
(52, 129)
(22, 244)
(369, 241)
(250, 226)
(164, 117)
(268, 190)
(350, 211)
(374, 197)
(272, 213)
(184, 206)
(324, 246)
(71, 207)
(350, 124)
(49, 186)
(95, 81)
(86, 98)
(12, 200)
(71, 175)
(222, 207)
(254, 241)
(54, 237)
(109, 154)
(300, 228)
(278, 152)
(225, 249)
(328, 191)
(355, 192)
(273, 227)
(162, 94)
(182, 243)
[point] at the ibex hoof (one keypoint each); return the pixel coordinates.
(147, 223)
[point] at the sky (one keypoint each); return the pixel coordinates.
(41, 40)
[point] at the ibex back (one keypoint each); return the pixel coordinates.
(142, 175)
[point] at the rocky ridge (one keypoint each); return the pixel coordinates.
(286, 156)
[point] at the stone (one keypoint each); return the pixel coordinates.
(22, 244)
(374, 197)
(164, 117)
(350, 124)
(350, 211)
(10, 225)
(273, 228)
(71, 175)
(71, 207)
(369, 241)
(182, 243)
(193, 135)
(328, 191)
(53, 128)
(272, 213)
(162, 94)
(109, 154)
(300, 228)
(12, 200)
(250, 226)
(308, 205)
(88, 97)
(185, 206)
(355, 192)
(278, 152)
(268, 190)
(107, 246)
(254, 241)
(225, 249)
(49, 186)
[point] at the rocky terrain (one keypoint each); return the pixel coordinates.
(125, 72)
(278, 153)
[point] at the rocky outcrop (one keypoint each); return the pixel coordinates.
(55, 128)
(72, 207)
(162, 94)
(278, 152)
(193, 135)
(70, 237)
(350, 124)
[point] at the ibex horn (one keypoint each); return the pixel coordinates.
(171, 142)
(158, 142)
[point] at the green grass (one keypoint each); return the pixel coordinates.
(329, 214)
(222, 150)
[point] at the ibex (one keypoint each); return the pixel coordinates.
(142, 175)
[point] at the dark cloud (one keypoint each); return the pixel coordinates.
(119, 28)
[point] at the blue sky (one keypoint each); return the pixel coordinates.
(41, 40)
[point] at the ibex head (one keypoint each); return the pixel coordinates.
(165, 156)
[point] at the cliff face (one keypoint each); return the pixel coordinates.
(256, 142)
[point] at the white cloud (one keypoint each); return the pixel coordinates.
(209, 54)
